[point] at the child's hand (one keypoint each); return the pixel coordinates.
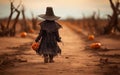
(59, 39)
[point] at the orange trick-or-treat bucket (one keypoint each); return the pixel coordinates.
(35, 46)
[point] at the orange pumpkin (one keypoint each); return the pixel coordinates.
(31, 31)
(91, 37)
(35, 46)
(23, 34)
(95, 45)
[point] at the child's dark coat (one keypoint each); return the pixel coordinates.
(49, 37)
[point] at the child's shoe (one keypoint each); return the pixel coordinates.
(46, 60)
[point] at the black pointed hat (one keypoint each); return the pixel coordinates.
(49, 14)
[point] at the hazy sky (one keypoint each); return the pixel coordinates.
(63, 8)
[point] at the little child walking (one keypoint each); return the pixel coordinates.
(49, 36)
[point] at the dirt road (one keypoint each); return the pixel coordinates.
(74, 60)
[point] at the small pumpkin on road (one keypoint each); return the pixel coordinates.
(91, 37)
(23, 34)
(95, 45)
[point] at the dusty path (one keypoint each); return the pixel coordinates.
(73, 61)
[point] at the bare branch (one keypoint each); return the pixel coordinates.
(11, 1)
(109, 16)
(112, 4)
(118, 12)
(19, 4)
(11, 6)
(11, 13)
(117, 5)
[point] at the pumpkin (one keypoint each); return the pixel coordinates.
(35, 46)
(23, 34)
(91, 37)
(95, 45)
(31, 31)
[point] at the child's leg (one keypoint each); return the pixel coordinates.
(45, 58)
(51, 58)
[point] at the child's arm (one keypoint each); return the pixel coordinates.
(39, 36)
(58, 38)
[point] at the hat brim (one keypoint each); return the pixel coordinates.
(49, 17)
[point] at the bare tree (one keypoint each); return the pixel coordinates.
(10, 31)
(34, 22)
(113, 20)
(12, 10)
(25, 26)
(13, 32)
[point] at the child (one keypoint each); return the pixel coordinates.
(49, 36)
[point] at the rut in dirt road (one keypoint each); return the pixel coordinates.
(74, 60)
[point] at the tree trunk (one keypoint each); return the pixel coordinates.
(24, 23)
(13, 32)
